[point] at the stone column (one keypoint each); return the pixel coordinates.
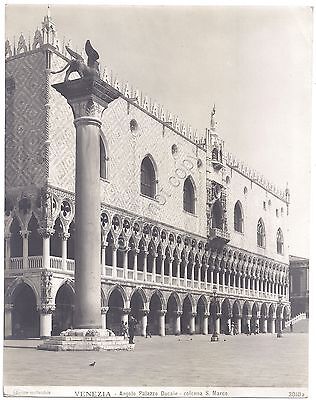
(265, 325)
(7, 251)
(229, 323)
(25, 243)
(217, 280)
(238, 324)
(144, 321)
(145, 265)
(125, 314)
(125, 262)
(212, 272)
(205, 276)
(135, 263)
(162, 271)
(46, 326)
(64, 237)
(170, 270)
(186, 273)
(218, 323)
(88, 98)
(153, 274)
(238, 281)
(46, 234)
(103, 246)
(178, 271)
(199, 275)
(104, 311)
(162, 328)
(192, 323)
(272, 324)
(178, 322)
(8, 308)
(192, 275)
(205, 323)
(114, 259)
(247, 320)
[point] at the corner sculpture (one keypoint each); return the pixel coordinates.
(77, 64)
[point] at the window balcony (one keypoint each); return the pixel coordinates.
(219, 236)
(217, 165)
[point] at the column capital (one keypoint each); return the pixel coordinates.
(207, 314)
(46, 308)
(178, 313)
(193, 314)
(8, 307)
(104, 310)
(126, 311)
(46, 232)
(64, 235)
(162, 312)
(24, 233)
(7, 235)
(144, 312)
(88, 97)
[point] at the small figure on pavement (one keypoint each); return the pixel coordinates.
(131, 329)
(291, 326)
(148, 333)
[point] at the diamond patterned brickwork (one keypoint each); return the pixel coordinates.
(61, 134)
(126, 151)
(25, 120)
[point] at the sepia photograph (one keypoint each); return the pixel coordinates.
(157, 163)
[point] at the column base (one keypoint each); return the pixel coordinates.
(214, 338)
(86, 340)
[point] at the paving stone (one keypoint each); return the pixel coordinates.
(246, 361)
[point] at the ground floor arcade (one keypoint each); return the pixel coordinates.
(31, 313)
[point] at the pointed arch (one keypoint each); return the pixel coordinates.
(120, 289)
(189, 195)
(159, 294)
(148, 180)
(142, 294)
(280, 241)
(217, 215)
(238, 217)
(175, 296)
(261, 233)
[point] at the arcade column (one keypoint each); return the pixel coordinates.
(162, 329)
(46, 311)
(8, 308)
(104, 311)
(88, 99)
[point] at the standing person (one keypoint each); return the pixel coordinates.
(131, 329)
(148, 333)
(291, 327)
(124, 329)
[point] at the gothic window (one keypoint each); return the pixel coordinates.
(215, 154)
(188, 196)
(217, 215)
(280, 241)
(103, 160)
(261, 234)
(238, 218)
(148, 178)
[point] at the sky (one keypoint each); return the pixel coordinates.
(254, 63)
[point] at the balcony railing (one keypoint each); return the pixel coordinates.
(119, 273)
(220, 235)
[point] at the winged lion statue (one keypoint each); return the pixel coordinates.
(77, 63)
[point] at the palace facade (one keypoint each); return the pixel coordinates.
(192, 239)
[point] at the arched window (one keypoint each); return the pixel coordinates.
(215, 154)
(280, 242)
(238, 218)
(188, 196)
(261, 234)
(103, 160)
(147, 178)
(217, 215)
